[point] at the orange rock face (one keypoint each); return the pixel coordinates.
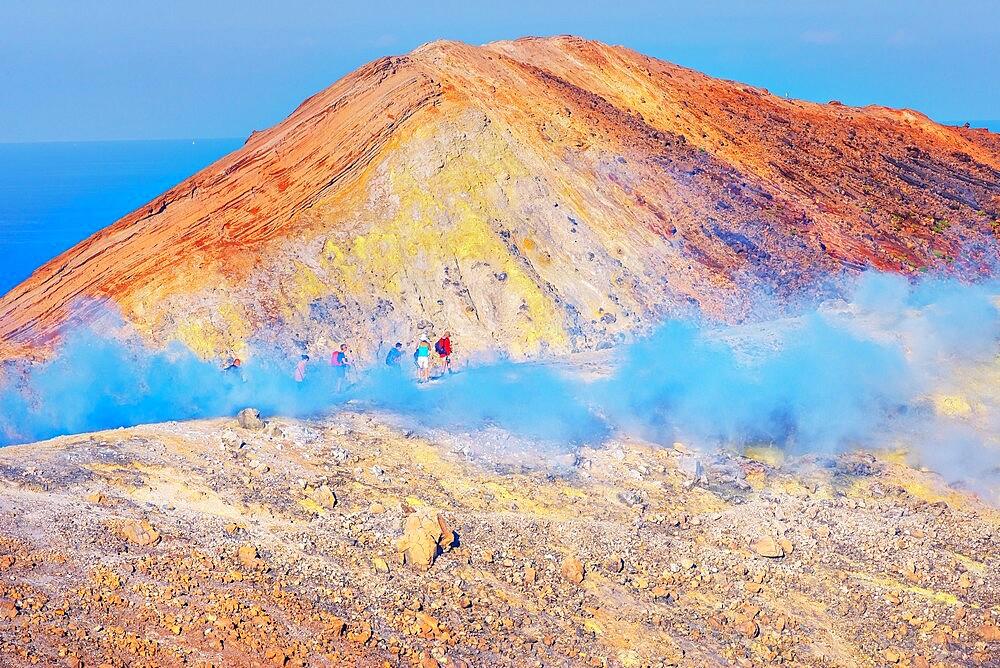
(543, 194)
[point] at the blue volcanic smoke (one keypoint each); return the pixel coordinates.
(863, 372)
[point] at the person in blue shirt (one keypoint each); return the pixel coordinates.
(394, 356)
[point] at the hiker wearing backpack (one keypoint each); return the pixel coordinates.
(392, 359)
(422, 357)
(338, 360)
(443, 349)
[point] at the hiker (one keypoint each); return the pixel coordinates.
(232, 374)
(395, 354)
(300, 370)
(340, 366)
(421, 356)
(443, 349)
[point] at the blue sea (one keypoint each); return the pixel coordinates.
(54, 195)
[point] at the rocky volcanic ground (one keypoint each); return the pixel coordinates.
(214, 544)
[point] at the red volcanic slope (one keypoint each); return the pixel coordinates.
(542, 194)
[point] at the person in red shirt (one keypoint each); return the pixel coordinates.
(443, 349)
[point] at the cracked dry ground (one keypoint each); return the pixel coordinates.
(205, 544)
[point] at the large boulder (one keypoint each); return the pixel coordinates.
(249, 418)
(424, 534)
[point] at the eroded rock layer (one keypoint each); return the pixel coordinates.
(530, 196)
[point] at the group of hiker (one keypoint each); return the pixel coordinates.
(422, 356)
(421, 360)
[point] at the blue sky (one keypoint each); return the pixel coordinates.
(135, 69)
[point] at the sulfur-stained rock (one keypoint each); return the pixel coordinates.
(424, 534)
(572, 570)
(140, 533)
(767, 547)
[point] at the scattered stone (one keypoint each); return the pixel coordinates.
(6, 561)
(631, 498)
(989, 632)
(97, 498)
(140, 533)
(361, 634)
(335, 627)
(566, 460)
(614, 564)
(249, 558)
(249, 418)
(8, 610)
(748, 629)
(325, 497)
(572, 570)
(892, 655)
(767, 547)
(275, 657)
(693, 468)
(376, 509)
